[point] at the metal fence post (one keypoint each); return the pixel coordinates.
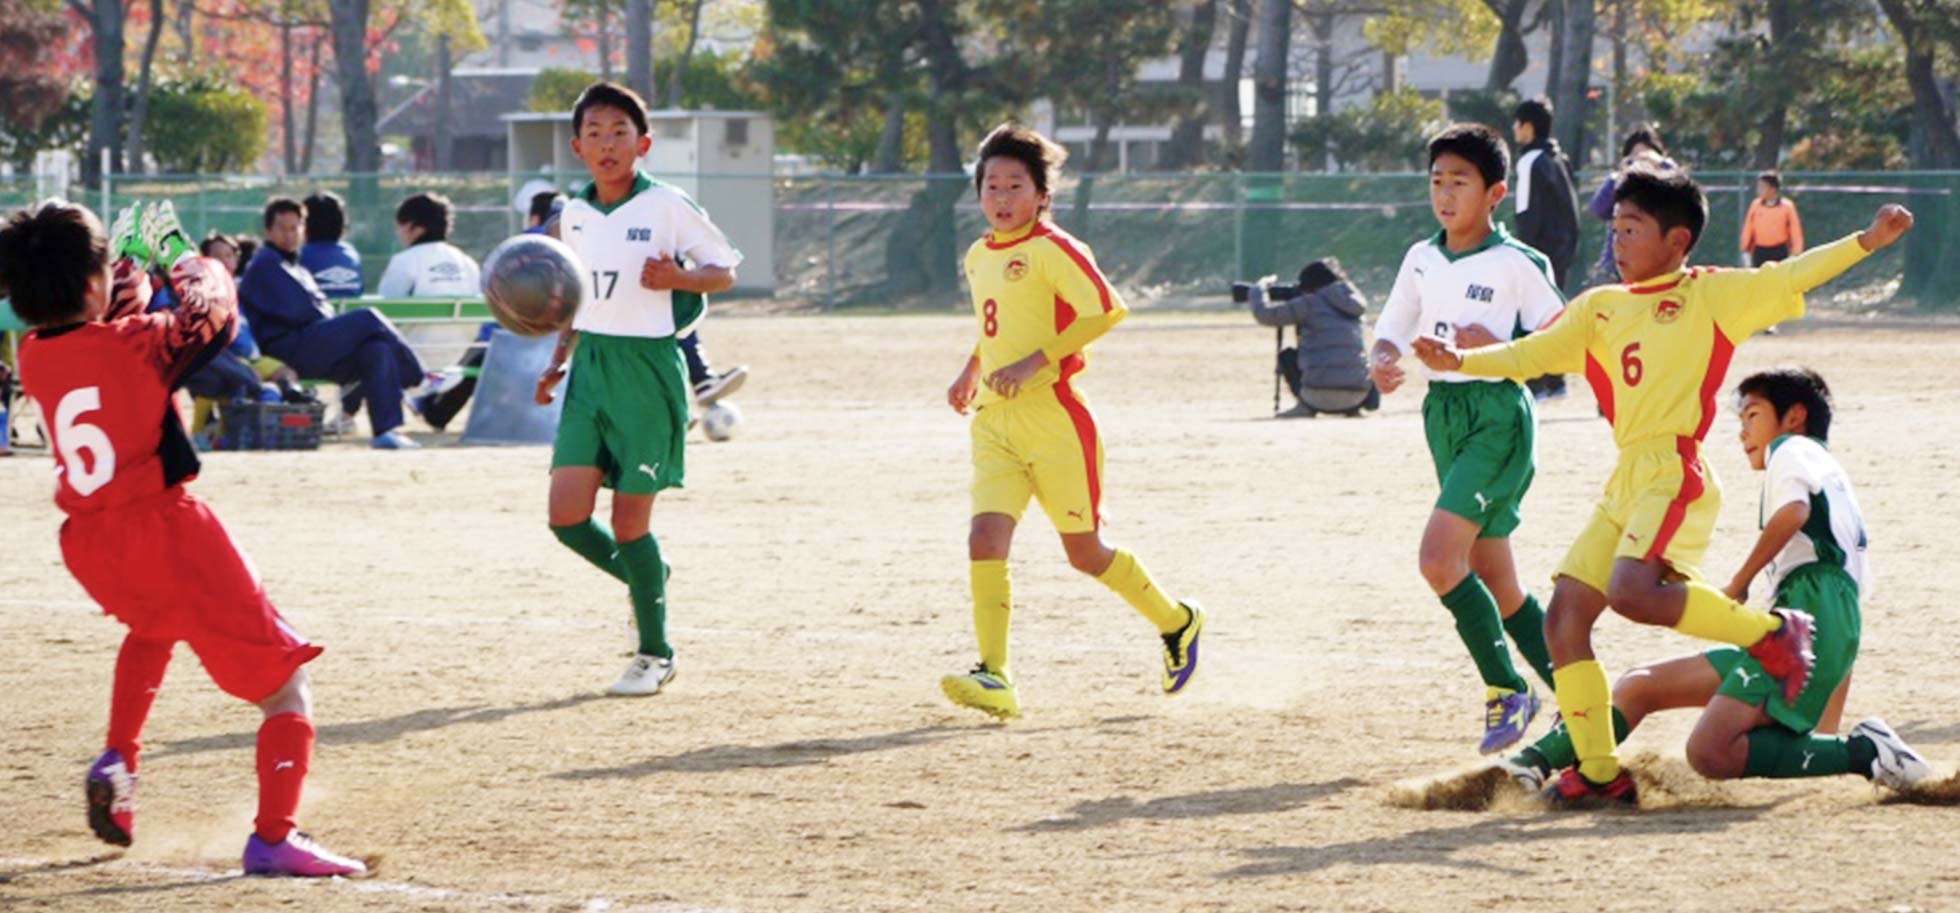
(830, 242)
(106, 211)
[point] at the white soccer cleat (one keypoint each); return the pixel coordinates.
(1524, 775)
(1897, 765)
(643, 676)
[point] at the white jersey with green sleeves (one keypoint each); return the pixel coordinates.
(1502, 285)
(1801, 471)
(614, 242)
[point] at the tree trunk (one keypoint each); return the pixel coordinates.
(639, 47)
(1391, 82)
(357, 106)
(140, 117)
(186, 34)
(1231, 119)
(286, 93)
(604, 32)
(1187, 144)
(312, 103)
(444, 138)
(1555, 53)
(1570, 103)
(891, 143)
(105, 19)
(1323, 85)
(1268, 151)
(1931, 115)
(1930, 112)
(920, 253)
(1784, 48)
(676, 87)
(1511, 57)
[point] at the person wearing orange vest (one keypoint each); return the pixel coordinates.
(1772, 231)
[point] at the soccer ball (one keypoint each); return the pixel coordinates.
(720, 421)
(533, 284)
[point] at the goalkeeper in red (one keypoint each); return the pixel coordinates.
(151, 554)
(1655, 352)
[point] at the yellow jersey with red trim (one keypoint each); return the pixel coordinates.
(1038, 289)
(1656, 353)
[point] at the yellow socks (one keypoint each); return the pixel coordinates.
(1585, 700)
(1712, 615)
(993, 602)
(1126, 576)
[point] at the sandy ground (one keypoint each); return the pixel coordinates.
(804, 759)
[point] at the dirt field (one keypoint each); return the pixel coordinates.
(804, 760)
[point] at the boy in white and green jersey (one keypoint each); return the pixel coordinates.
(1474, 281)
(1812, 548)
(650, 255)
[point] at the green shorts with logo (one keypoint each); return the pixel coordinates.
(626, 403)
(1831, 597)
(1480, 437)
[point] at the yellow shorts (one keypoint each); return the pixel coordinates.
(1661, 502)
(1041, 444)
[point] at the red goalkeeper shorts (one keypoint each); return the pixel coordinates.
(166, 567)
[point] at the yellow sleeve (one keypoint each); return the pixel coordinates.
(1746, 301)
(1078, 281)
(1557, 349)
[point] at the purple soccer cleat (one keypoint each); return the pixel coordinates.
(112, 799)
(297, 856)
(1507, 714)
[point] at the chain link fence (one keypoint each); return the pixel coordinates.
(1168, 240)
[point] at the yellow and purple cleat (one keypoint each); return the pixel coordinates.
(1181, 651)
(984, 690)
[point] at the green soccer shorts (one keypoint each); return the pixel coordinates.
(625, 413)
(1481, 440)
(1831, 597)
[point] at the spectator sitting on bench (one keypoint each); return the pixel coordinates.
(334, 263)
(431, 267)
(360, 350)
(224, 249)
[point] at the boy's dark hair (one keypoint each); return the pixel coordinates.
(247, 246)
(1644, 135)
(544, 203)
(326, 216)
(1669, 195)
(609, 95)
(1477, 144)
(214, 238)
(277, 205)
(1788, 387)
(47, 255)
(1538, 113)
(431, 211)
(1024, 144)
(1772, 179)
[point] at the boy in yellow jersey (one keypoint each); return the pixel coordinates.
(1655, 352)
(1040, 300)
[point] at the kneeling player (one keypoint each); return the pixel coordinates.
(1813, 545)
(152, 554)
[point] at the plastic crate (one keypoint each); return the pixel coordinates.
(273, 426)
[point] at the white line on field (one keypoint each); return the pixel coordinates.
(63, 867)
(1316, 656)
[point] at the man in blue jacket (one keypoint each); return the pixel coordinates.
(334, 263)
(360, 350)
